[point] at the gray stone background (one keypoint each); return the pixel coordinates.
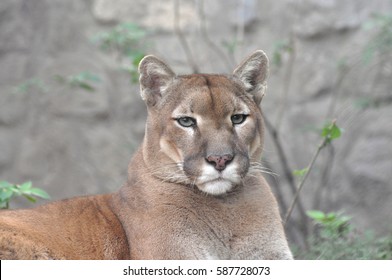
(71, 141)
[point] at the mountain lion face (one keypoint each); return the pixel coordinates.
(204, 130)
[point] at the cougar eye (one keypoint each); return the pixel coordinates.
(186, 121)
(238, 119)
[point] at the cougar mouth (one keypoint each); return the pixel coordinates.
(217, 187)
(216, 182)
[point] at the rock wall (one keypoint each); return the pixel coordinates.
(71, 141)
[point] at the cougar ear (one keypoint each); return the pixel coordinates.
(253, 73)
(155, 77)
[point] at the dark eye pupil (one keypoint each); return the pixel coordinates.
(238, 119)
(186, 121)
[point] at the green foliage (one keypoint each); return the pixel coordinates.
(372, 102)
(330, 132)
(9, 191)
(132, 68)
(31, 84)
(364, 103)
(126, 40)
(382, 41)
(332, 223)
(301, 172)
(336, 238)
(83, 80)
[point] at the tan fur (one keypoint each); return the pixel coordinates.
(193, 192)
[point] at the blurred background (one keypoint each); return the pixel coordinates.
(71, 115)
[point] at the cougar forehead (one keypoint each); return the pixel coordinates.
(209, 97)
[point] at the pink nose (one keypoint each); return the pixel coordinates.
(220, 162)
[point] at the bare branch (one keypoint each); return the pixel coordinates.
(281, 154)
(302, 183)
(283, 160)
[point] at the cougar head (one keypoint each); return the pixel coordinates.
(203, 130)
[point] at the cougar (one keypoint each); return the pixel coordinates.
(194, 190)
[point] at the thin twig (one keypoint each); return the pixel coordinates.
(325, 177)
(281, 154)
(302, 183)
(283, 160)
(181, 37)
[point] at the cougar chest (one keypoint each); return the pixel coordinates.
(212, 230)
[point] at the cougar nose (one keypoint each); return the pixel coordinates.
(220, 162)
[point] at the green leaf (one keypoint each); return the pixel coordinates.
(30, 84)
(5, 184)
(40, 193)
(316, 215)
(335, 132)
(60, 79)
(325, 131)
(88, 76)
(381, 42)
(301, 172)
(25, 186)
(85, 86)
(137, 58)
(15, 189)
(8, 190)
(330, 217)
(125, 38)
(30, 198)
(82, 80)
(277, 58)
(363, 102)
(6, 194)
(331, 131)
